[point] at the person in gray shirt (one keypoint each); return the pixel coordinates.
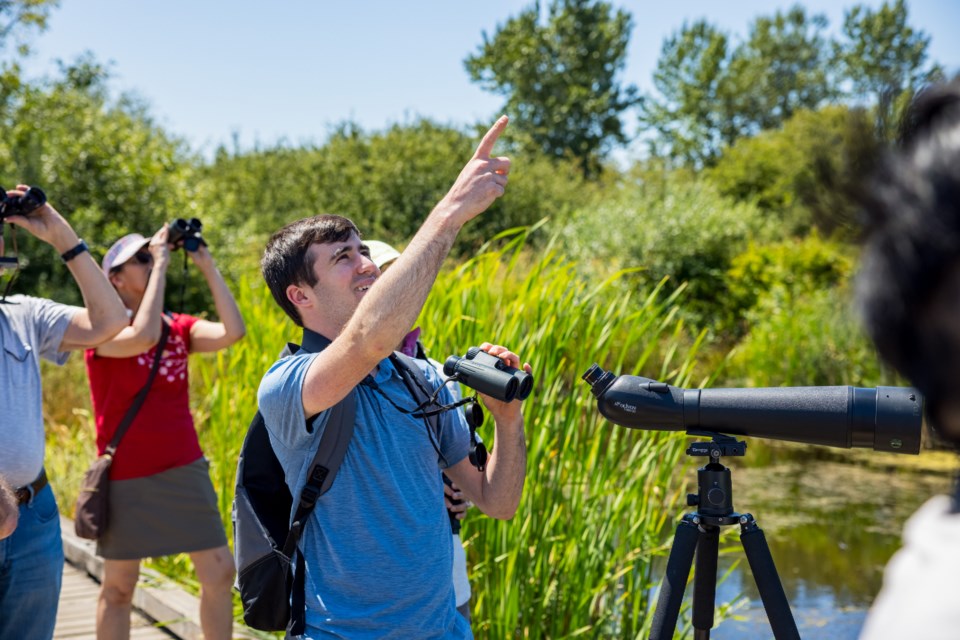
(31, 557)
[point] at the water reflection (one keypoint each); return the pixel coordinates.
(831, 526)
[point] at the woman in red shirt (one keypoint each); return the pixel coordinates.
(162, 501)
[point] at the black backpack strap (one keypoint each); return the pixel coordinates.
(323, 469)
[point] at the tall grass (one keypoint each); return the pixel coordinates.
(599, 501)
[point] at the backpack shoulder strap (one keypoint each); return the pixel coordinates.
(330, 452)
(333, 443)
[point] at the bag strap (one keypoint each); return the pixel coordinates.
(323, 469)
(326, 462)
(142, 394)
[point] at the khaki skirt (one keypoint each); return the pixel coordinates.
(174, 511)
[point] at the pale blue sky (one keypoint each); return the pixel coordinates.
(290, 69)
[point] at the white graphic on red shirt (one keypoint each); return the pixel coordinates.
(173, 362)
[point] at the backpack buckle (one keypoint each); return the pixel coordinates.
(308, 497)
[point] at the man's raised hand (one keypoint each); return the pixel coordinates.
(482, 180)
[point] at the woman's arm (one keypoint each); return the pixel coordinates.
(213, 336)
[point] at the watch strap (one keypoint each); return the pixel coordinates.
(70, 254)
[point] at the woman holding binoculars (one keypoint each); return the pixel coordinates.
(162, 501)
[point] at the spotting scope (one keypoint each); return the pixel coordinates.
(883, 419)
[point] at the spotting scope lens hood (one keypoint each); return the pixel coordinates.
(881, 418)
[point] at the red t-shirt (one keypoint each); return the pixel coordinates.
(162, 435)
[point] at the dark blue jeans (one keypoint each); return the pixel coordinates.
(31, 570)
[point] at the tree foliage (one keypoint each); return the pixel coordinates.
(803, 174)
(676, 228)
(885, 59)
(387, 182)
(104, 165)
(560, 78)
(712, 93)
(18, 17)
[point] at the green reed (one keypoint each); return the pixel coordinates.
(600, 501)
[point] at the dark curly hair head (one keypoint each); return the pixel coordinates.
(909, 284)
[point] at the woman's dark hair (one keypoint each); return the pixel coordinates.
(285, 262)
(912, 207)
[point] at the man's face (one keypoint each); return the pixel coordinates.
(344, 274)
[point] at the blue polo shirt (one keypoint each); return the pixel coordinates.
(377, 545)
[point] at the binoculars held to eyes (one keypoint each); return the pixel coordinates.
(23, 205)
(489, 375)
(186, 233)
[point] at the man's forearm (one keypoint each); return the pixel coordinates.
(392, 306)
(506, 471)
(104, 309)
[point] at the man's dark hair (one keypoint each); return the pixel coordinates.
(912, 208)
(285, 262)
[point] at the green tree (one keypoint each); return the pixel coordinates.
(711, 94)
(676, 227)
(103, 163)
(19, 16)
(780, 69)
(560, 78)
(884, 58)
(688, 122)
(387, 181)
(802, 173)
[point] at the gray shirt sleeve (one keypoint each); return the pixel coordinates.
(50, 321)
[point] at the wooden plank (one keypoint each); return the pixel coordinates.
(77, 612)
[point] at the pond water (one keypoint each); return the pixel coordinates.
(831, 525)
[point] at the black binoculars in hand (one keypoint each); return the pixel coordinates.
(186, 234)
(23, 205)
(489, 375)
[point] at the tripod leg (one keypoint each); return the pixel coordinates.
(675, 580)
(768, 582)
(705, 581)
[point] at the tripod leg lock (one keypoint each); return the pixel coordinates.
(747, 523)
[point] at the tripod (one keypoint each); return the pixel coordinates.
(700, 532)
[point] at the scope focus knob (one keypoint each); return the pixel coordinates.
(692, 499)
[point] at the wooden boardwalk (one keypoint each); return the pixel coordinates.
(76, 615)
(156, 598)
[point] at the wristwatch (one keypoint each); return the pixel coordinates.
(70, 254)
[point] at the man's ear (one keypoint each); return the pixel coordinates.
(298, 296)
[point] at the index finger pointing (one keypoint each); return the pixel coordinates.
(490, 138)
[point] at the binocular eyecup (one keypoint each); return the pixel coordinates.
(489, 375)
(186, 233)
(23, 205)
